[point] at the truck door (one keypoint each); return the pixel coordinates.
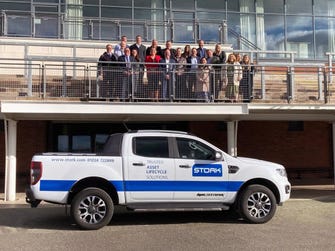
(150, 169)
(200, 176)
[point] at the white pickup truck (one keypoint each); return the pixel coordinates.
(156, 170)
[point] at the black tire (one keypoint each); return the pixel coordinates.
(92, 208)
(257, 204)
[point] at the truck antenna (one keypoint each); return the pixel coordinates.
(125, 125)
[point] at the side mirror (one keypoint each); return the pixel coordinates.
(218, 156)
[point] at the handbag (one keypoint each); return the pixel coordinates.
(221, 95)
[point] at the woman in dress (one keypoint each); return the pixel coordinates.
(152, 66)
(181, 84)
(202, 87)
(136, 72)
(247, 82)
(233, 77)
(187, 51)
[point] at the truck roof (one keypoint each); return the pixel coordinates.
(159, 131)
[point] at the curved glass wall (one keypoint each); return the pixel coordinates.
(304, 26)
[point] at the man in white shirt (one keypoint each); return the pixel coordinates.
(126, 65)
(192, 66)
(167, 68)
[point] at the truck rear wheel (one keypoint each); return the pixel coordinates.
(257, 204)
(92, 208)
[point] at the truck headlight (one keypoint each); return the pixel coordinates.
(282, 172)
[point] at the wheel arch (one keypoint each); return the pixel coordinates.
(264, 182)
(95, 182)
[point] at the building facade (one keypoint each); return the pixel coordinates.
(304, 26)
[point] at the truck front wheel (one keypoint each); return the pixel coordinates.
(257, 204)
(92, 208)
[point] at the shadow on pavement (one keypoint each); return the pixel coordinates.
(53, 217)
(322, 193)
(322, 190)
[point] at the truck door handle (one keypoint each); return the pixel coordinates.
(184, 166)
(138, 164)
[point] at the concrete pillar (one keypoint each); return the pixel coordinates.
(232, 137)
(10, 175)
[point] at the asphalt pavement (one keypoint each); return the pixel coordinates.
(305, 222)
(300, 190)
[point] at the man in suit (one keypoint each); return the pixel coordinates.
(201, 51)
(141, 52)
(106, 72)
(192, 66)
(141, 49)
(154, 44)
(126, 70)
(167, 66)
(168, 45)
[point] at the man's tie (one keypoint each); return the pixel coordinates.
(127, 60)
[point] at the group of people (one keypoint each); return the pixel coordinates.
(190, 74)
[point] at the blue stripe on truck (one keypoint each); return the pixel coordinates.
(151, 186)
(182, 186)
(56, 185)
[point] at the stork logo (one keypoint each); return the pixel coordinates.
(210, 170)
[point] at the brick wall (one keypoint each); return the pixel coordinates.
(310, 148)
(31, 139)
(272, 141)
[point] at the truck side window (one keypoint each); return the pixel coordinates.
(151, 147)
(113, 145)
(192, 149)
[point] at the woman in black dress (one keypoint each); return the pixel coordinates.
(247, 82)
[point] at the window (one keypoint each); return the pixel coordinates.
(15, 6)
(19, 25)
(296, 126)
(100, 140)
(324, 7)
(324, 36)
(46, 26)
(47, 1)
(142, 14)
(300, 35)
(81, 144)
(95, 2)
(192, 149)
(233, 5)
(299, 6)
(273, 6)
(274, 32)
(113, 12)
(151, 147)
(209, 32)
(91, 11)
(148, 3)
(211, 5)
(63, 143)
(205, 15)
(185, 4)
(113, 144)
(116, 2)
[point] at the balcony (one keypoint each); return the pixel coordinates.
(74, 80)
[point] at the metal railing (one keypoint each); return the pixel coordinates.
(57, 25)
(64, 80)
